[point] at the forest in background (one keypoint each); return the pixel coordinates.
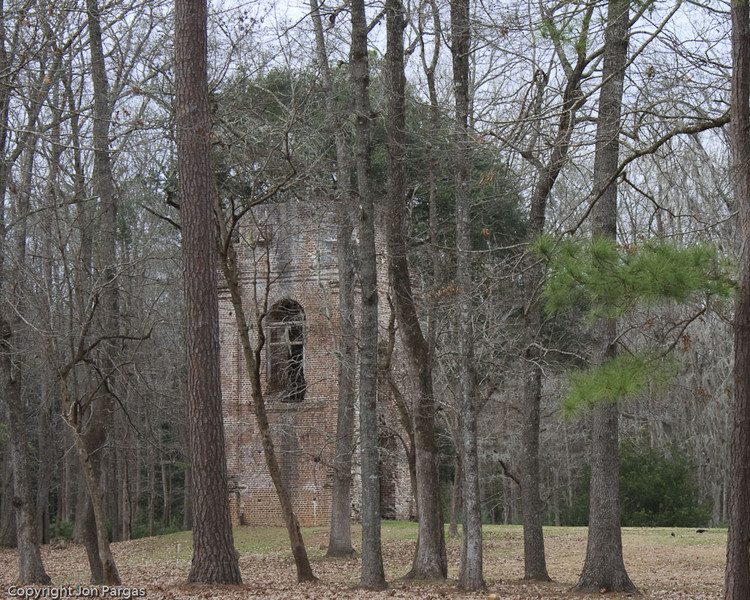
(92, 291)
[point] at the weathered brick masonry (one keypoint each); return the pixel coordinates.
(287, 255)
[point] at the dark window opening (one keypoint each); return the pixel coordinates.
(285, 338)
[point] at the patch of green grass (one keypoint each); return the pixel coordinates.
(392, 531)
(681, 536)
(274, 540)
(261, 540)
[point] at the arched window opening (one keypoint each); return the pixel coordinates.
(285, 339)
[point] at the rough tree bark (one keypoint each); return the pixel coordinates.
(30, 566)
(737, 576)
(340, 537)
(604, 568)
(455, 497)
(535, 565)
(85, 525)
(46, 435)
(430, 158)
(46, 442)
(13, 343)
(471, 568)
(340, 540)
(215, 559)
(109, 573)
(372, 576)
(75, 409)
(430, 556)
(7, 517)
(99, 427)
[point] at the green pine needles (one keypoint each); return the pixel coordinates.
(609, 280)
(621, 377)
(606, 280)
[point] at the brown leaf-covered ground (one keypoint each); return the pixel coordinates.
(685, 566)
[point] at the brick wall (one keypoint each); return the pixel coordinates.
(287, 252)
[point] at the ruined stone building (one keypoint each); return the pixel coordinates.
(289, 271)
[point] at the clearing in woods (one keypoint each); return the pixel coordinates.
(663, 563)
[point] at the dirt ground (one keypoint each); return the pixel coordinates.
(665, 564)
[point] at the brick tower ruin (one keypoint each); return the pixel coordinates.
(289, 270)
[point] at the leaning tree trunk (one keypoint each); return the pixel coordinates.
(604, 568)
(215, 559)
(110, 575)
(737, 577)
(252, 357)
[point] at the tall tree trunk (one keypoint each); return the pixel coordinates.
(432, 167)
(127, 467)
(430, 560)
(535, 566)
(94, 437)
(471, 568)
(455, 497)
(604, 568)
(13, 342)
(45, 434)
(101, 420)
(126, 511)
(7, 516)
(372, 576)
(340, 538)
(30, 566)
(165, 488)
(187, 511)
(46, 442)
(109, 573)
(431, 161)
(215, 559)
(737, 576)
(85, 524)
(151, 489)
(75, 409)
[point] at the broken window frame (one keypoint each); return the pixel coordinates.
(285, 351)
